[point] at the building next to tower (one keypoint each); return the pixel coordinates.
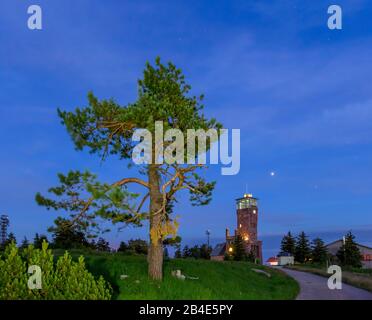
(246, 228)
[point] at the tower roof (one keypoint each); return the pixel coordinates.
(246, 196)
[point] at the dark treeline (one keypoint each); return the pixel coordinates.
(72, 238)
(196, 252)
(67, 237)
(316, 252)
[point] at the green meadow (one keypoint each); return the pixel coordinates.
(205, 279)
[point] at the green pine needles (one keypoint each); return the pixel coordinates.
(64, 279)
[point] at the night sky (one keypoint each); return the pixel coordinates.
(299, 92)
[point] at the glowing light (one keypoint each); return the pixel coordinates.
(230, 249)
(246, 238)
(272, 173)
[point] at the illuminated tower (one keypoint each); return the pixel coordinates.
(247, 213)
(247, 219)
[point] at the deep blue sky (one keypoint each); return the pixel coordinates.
(300, 93)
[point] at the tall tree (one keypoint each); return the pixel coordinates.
(138, 246)
(10, 239)
(186, 253)
(288, 244)
(106, 128)
(349, 253)
(24, 243)
(302, 251)
(178, 253)
(67, 236)
(205, 251)
(123, 247)
(318, 251)
(38, 240)
(103, 245)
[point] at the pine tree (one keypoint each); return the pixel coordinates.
(138, 246)
(103, 245)
(302, 251)
(25, 243)
(186, 252)
(123, 247)
(288, 244)
(195, 252)
(178, 253)
(318, 251)
(38, 240)
(10, 239)
(67, 236)
(349, 253)
(239, 252)
(205, 252)
(93, 244)
(106, 128)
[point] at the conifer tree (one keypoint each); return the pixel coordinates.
(103, 245)
(138, 246)
(205, 252)
(24, 243)
(288, 244)
(186, 253)
(349, 253)
(178, 253)
(106, 128)
(123, 247)
(319, 251)
(38, 240)
(67, 236)
(302, 251)
(10, 239)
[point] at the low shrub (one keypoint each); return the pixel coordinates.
(63, 279)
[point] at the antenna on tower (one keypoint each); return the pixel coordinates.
(246, 188)
(4, 223)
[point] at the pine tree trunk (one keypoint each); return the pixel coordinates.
(155, 255)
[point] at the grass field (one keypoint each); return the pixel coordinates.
(216, 280)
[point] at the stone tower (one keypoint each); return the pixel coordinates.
(247, 220)
(247, 213)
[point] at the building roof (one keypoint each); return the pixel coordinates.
(272, 259)
(219, 250)
(285, 254)
(247, 196)
(341, 240)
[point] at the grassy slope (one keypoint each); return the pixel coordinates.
(217, 280)
(359, 278)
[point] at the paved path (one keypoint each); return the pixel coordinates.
(314, 287)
